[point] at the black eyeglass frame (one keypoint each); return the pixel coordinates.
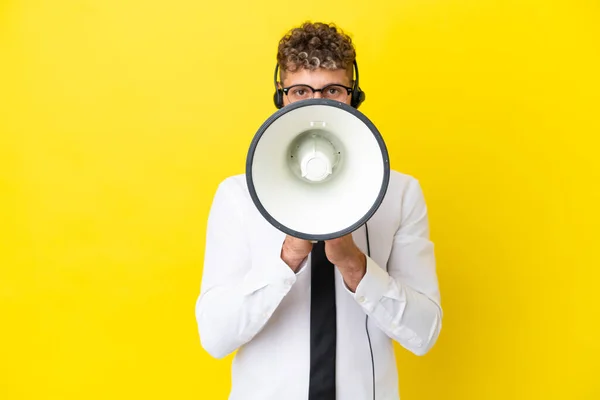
(349, 90)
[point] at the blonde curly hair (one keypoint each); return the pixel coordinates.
(315, 45)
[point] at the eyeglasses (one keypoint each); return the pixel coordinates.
(304, 92)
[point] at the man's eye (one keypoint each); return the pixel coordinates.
(299, 92)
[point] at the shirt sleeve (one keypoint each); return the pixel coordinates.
(238, 294)
(404, 300)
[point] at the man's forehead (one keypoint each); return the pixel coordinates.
(317, 78)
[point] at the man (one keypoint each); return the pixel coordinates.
(256, 287)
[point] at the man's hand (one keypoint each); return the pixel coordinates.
(351, 262)
(294, 251)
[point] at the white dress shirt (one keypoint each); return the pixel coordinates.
(252, 302)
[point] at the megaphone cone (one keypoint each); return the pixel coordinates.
(317, 169)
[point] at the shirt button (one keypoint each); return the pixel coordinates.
(289, 281)
(362, 299)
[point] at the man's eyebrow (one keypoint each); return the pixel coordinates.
(322, 87)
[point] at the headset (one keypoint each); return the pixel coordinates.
(358, 96)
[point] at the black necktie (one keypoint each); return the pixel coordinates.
(322, 326)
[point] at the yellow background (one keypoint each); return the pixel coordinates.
(119, 118)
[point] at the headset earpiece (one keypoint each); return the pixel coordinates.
(358, 96)
(278, 95)
(278, 98)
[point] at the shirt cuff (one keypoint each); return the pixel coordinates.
(302, 266)
(372, 286)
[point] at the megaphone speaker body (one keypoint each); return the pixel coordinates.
(317, 169)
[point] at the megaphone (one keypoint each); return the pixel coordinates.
(317, 169)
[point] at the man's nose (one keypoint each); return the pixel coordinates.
(317, 94)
